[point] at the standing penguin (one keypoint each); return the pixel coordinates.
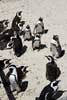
(16, 76)
(39, 27)
(27, 33)
(55, 47)
(52, 71)
(17, 45)
(16, 21)
(36, 42)
(13, 78)
(48, 92)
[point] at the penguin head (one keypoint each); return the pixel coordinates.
(18, 14)
(11, 68)
(56, 37)
(4, 63)
(5, 23)
(54, 84)
(40, 19)
(21, 23)
(7, 62)
(37, 35)
(28, 26)
(50, 58)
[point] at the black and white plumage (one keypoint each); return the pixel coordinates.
(48, 91)
(16, 21)
(27, 33)
(17, 45)
(4, 63)
(13, 78)
(36, 42)
(55, 47)
(3, 25)
(39, 27)
(16, 75)
(52, 71)
(4, 38)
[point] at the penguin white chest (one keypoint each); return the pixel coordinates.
(12, 78)
(36, 42)
(27, 35)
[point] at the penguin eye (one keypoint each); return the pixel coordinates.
(11, 69)
(49, 58)
(55, 84)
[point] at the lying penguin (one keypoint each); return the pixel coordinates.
(52, 71)
(27, 33)
(36, 42)
(48, 92)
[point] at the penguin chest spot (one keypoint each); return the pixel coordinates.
(12, 78)
(36, 43)
(27, 35)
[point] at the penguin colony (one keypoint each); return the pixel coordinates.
(11, 38)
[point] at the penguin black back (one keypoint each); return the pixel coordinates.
(52, 71)
(48, 91)
(17, 45)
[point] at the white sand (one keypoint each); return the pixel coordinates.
(54, 13)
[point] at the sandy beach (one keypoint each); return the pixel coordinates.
(54, 13)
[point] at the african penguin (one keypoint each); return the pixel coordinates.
(48, 92)
(27, 33)
(4, 63)
(16, 21)
(17, 45)
(36, 42)
(55, 46)
(39, 27)
(52, 71)
(3, 25)
(16, 75)
(13, 78)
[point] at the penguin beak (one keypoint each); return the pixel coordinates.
(47, 57)
(25, 69)
(58, 81)
(6, 60)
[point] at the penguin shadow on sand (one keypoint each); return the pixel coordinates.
(22, 71)
(24, 86)
(42, 46)
(24, 49)
(45, 31)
